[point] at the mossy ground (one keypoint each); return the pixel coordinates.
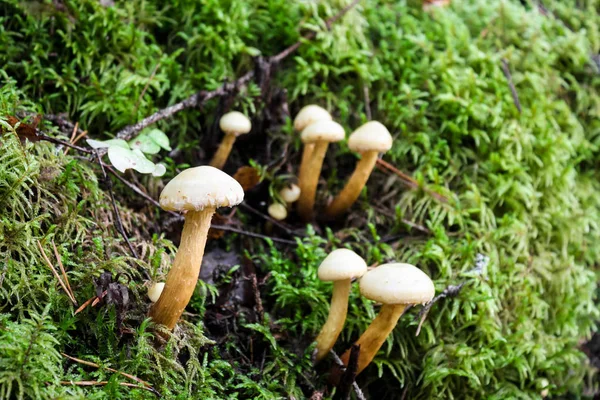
(522, 190)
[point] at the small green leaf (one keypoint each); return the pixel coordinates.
(103, 144)
(145, 144)
(159, 170)
(160, 138)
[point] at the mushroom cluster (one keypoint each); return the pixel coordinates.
(317, 130)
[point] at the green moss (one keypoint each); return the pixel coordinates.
(521, 187)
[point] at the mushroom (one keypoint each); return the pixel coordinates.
(306, 116)
(340, 266)
(290, 194)
(320, 133)
(197, 192)
(234, 124)
(277, 211)
(155, 291)
(397, 286)
(369, 140)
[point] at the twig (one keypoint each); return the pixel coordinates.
(79, 137)
(139, 100)
(286, 228)
(200, 98)
(62, 270)
(134, 187)
(367, 102)
(92, 364)
(84, 305)
(251, 234)
(118, 221)
(357, 391)
(102, 383)
(511, 85)
(55, 273)
(349, 375)
(51, 139)
(74, 133)
(481, 263)
(409, 181)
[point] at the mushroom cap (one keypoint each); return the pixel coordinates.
(342, 264)
(397, 283)
(290, 193)
(155, 291)
(372, 136)
(235, 123)
(323, 131)
(310, 114)
(201, 187)
(277, 211)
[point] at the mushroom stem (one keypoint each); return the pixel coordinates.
(306, 153)
(223, 151)
(310, 179)
(335, 321)
(183, 276)
(372, 339)
(344, 200)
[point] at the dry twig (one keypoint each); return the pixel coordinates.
(62, 270)
(511, 85)
(408, 180)
(62, 284)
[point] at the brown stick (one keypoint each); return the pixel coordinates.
(45, 257)
(511, 85)
(62, 270)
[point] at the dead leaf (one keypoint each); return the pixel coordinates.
(247, 176)
(25, 131)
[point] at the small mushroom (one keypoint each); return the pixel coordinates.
(155, 291)
(320, 133)
(234, 124)
(396, 286)
(290, 194)
(197, 192)
(369, 140)
(277, 211)
(340, 266)
(308, 115)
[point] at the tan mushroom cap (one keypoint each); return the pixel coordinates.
(277, 211)
(201, 187)
(397, 283)
(372, 136)
(342, 264)
(309, 115)
(323, 131)
(290, 193)
(235, 123)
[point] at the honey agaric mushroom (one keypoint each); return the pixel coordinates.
(308, 115)
(277, 211)
(369, 140)
(197, 192)
(396, 286)
(234, 124)
(320, 133)
(340, 266)
(290, 194)
(155, 291)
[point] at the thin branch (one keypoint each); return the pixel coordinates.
(51, 139)
(200, 98)
(62, 270)
(286, 228)
(357, 391)
(511, 85)
(92, 364)
(118, 221)
(408, 180)
(45, 257)
(367, 102)
(251, 234)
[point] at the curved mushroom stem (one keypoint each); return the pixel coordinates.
(335, 321)
(344, 200)
(220, 157)
(310, 180)
(372, 339)
(183, 276)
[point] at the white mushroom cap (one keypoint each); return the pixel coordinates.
(290, 193)
(201, 187)
(397, 283)
(235, 123)
(277, 211)
(342, 264)
(326, 131)
(155, 291)
(310, 114)
(372, 136)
